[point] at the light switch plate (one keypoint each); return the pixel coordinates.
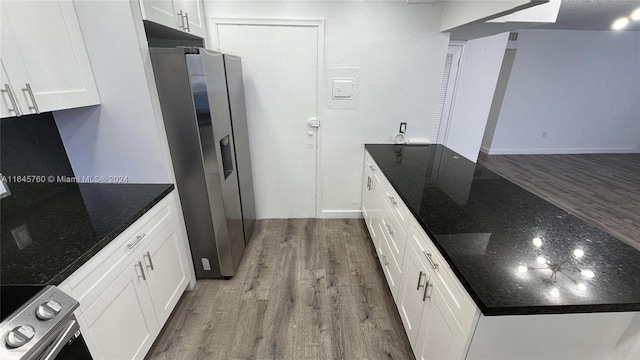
(342, 88)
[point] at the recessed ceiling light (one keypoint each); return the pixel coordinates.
(620, 23)
(635, 15)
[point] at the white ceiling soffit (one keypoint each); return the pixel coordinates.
(593, 14)
(545, 13)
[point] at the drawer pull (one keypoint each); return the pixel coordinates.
(136, 241)
(393, 201)
(369, 183)
(148, 256)
(373, 168)
(428, 255)
(426, 289)
(142, 271)
(420, 280)
(389, 229)
(384, 260)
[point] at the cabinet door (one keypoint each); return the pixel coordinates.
(164, 12)
(166, 271)
(121, 322)
(46, 58)
(440, 336)
(414, 284)
(194, 16)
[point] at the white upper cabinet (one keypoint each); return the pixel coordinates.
(194, 16)
(44, 57)
(184, 15)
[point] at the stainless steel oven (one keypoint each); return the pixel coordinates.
(38, 323)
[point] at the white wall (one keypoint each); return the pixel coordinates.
(581, 88)
(400, 54)
(121, 136)
(477, 81)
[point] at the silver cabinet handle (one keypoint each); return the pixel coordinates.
(389, 229)
(420, 280)
(384, 259)
(148, 256)
(186, 16)
(369, 183)
(29, 91)
(373, 168)
(12, 98)
(393, 200)
(181, 26)
(141, 270)
(424, 295)
(428, 255)
(136, 241)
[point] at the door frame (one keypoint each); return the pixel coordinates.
(319, 24)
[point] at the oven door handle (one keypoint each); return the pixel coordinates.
(65, 335)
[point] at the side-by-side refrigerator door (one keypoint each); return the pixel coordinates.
(182, 128)
(208, 84)
(235, 88)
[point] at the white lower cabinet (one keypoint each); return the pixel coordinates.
(439, 336)
(128, 290)
(121, 324)
(437, 313)
(165, 273)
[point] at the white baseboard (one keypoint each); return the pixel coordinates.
(340, 214)
(562, 151)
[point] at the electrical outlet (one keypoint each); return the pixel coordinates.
(403, 127)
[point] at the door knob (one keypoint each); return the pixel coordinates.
(313, 122)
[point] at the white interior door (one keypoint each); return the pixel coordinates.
(280, 67)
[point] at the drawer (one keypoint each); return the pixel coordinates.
(389, 266)
(400, 210)
(456, 297)
(91, 279)
(395, 234)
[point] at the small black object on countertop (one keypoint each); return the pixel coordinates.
(45, 242)
(514, 252)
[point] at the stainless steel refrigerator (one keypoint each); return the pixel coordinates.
(202, 99)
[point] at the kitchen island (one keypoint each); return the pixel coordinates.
(545, 283)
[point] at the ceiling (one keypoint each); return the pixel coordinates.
(593, 14)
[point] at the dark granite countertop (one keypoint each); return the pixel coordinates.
(45, 242)
(514, 252)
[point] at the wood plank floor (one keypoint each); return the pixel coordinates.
(305, 289)
(603, 189)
